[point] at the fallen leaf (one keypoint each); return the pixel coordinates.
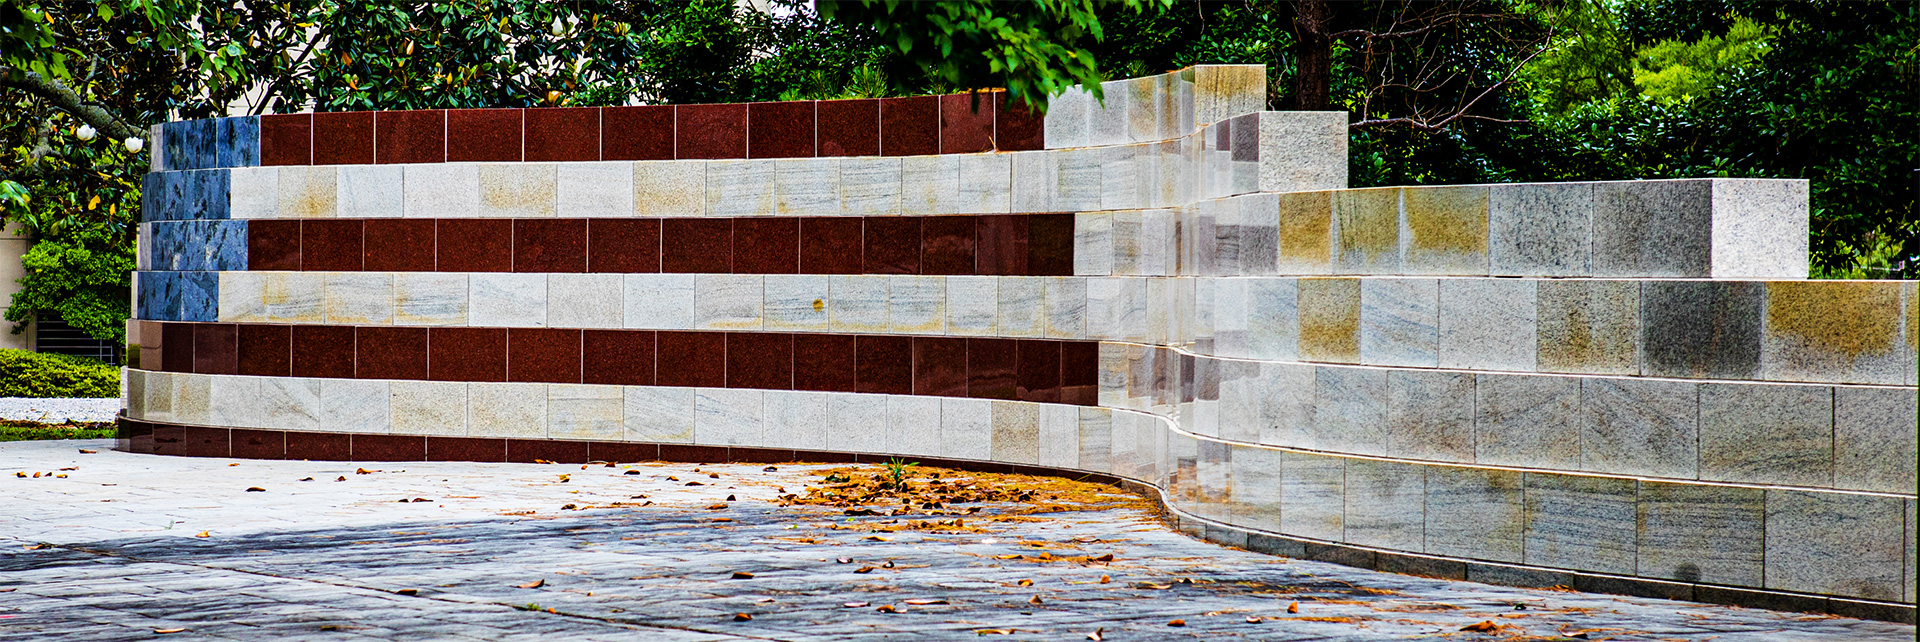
(1035, 600)
(887, 608)
(631, 472)
(695, 484)
(1025, 582)
(232, 465)
(363, 471)
(714, 475)
(889, 564)
(876, 538)
(993, 632)
(1253, 619)
(565, 479)
(844, 560)
(672, 478)
(204, 534)
(717, 507)
(256, 489)
(855, 605)
(61, 476)
(84, 451)
(407, 592)
(731, 499)
(166, 631)
(569, 507)
(1095, 635)
(1293, 607)
(306, 479)
(1104, 579)
(925, 601)
(742, 575)
(341, 478)
(769, 469)
(421, 499)
(863, 569)
(1176, 623)
(1104, 558)
(741, 617)
(1482, 626)
(534, 584)
(71, 468)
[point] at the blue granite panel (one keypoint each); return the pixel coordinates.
(239, 142)
(185, 195)
(173, 143)
(159, 296)
(153, 190)
(211, 199)
(200, 296)
(204, 141)
(198, 245)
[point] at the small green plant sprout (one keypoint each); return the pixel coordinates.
(897, 471)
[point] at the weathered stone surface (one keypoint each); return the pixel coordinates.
(1588, 327)
(1430, 415)
(1694, 533)
(1476, 513)
(1366, 231)
(1703, 329)
(1760, 228)
(1540, 229)
(1766, 434)
(1445, 230)
(1527, 420)
(1874, 439)
(1489, 324)
(1582, 523)
(1653, 228)
(1330, 320)
(1639, 427)
(1834, 543)
(1834, 331)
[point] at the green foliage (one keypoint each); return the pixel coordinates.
(1675, 71)
(41, 375)
(81, 276)
(35, 431)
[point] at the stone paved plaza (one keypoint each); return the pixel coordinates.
(127, 545)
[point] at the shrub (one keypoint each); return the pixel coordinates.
(36, 374)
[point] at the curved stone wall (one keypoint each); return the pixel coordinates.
(1617, 386)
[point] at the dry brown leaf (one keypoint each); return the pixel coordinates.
(256, 489)
(1096, 635)
(204, 534)
(1104, 579)
(877, 538)
(844, 560)
(84, 451)
(1035, 600)
(741, 617)
(714, 475)
(742, 575)
(926, 601)
(1104, 558)
(1293, 607)
(1483, 626)
(863, 569)
(363, 471)
(1025, 582)
(534, 584)
(1253, 619)
(1176, 623)
(407, 591)
(887, 608)
(631, 472)
(306, 479)
(166, 631)
(717, 507)
(993, 632)
(731, 499)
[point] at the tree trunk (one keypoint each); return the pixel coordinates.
(1313, 49)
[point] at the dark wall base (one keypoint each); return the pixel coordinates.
(201, 441)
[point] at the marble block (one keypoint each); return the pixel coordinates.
(1016, 432)
(859, 303)
(240, 298)
(930, 184)
(370, 191)
(1107, 122)
(307, 192)
(427, 407)
(236, 401)
(1286, 411)
(806, 187)
(359, 298)
(1066, 303)
(916, 304)
(658, 414)
(286, 403)
(1033, 179)
(355, 405)
(1760, 228)
(586, 300)
(1273, 318)
(1077, 180)
(1653, 228)
(1701, 329)
(1445, 230)
(859, 423)
(727, 301)
(1834, 331)
(658, 301)
(426, 298)
(1348, 410)
(870, 186)
(1587, 326)
(1527, 420)
(293, 297)
(966, 428)
(1540, 229)
(577, 411)
(1385, 504)
(740, 188)
(1329, 311)
(1581, 523)
(517, 190)
(254, 192)
(1096, 441)
(1430, 415)
(1312, 495)
(1059, 435)
(913, 426)
(1123, 170)
(1488, 324)
(796, 419)
(1065, 124)
(1476, 513)
(1020, 309)
(1874, 441)
(972, 304)
(1399, 322)
(507, 300)
(1766, 434)
(1302, 150)
(192, 399)
(1366, 231)
(434, 190)
(599, 189)
(1639, 427)
(1093, 244)
(1224, 91)
(513, 410)
(1696, 533)
(1835, 544)
(727, 417)
(795, 303)
(670, 188)
(986, 183)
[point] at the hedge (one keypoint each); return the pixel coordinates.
(43, 375)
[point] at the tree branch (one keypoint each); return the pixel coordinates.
(68, 101)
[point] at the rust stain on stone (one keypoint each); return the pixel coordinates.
(1306, 218)
(1369, 223)
(1446, 220)
(1852, 319)
(1330, 319)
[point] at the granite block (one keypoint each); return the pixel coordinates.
(369, 191)
(1312, 495)
(473, 245)
(659, 301)
(659, 414)
(870, 186)
(286, 403)
(1874, 439)
(343, 138)
(1348, 410)
(359, 299)
(859, 423)
(1096, 447)
(1059, 436)
(1445, 230)
(1093, 241)
(1385, 504)
(1834, 331)
(507, 410)
(236, 402)
(1760, 228)
(910, 126)
(291, 297)
(1302, 151)
(410, 136)
(781, 129)
(1488, 324)
(848, 127)
(435, 190)
(668, 188)
(710, 131)
(727, 301)
(971, 305)
(586, 300)
(485, 135)
(1066, 308)
(601, 189)
(642, 132)
(1107, 122)
(1766, 434)
(1835, 544)
(741, 187)
(1016, 432)
(859, 303)
(353, 405)
(1273, 318)
(1588, 326)
(1143, 99)
(1430, 415)
(1527, 420)
(1254, 489)
(1540, 229)
(1366, 231)
(930, 185)
(517, 190)
(913, 426)
(307, 192)
(1066, 119)
(1222, 91)
(1329, 312)
(254, 192)
(796, 419)
(1581, 523)
(795, 303)
(1399, 322)
(1077, 177)
(1032, 180)
(1706, 534)
(1475, 513)
(726, 417)
(1703, 329)
(507, 300)
(1652, 228)
(429, 299)
(1124, 171)
(1640, 427)
(807, 187)
(1021, 308)
(916, 304)
(285, 139)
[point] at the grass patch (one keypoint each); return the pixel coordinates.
(35, 431)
